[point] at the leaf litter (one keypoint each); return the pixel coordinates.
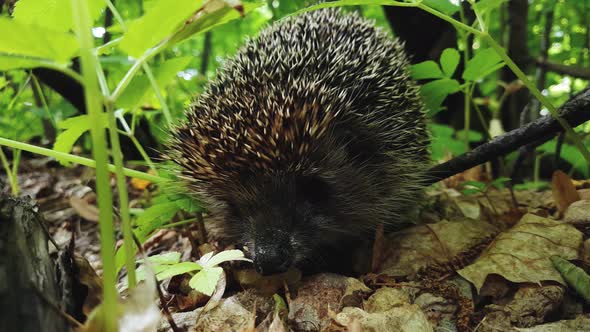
(475, 262)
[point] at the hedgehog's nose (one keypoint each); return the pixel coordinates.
(272, 260)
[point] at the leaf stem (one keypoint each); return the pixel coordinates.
(94, 105)
(77, 159)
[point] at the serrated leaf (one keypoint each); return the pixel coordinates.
(75, 127)
(140, 87)
(435, 92)
(484, 62)
(189, 205)
(206, 280)
(52, 14)
(426, 70)
(449, 60)
(33, 46)
(576, 277)
(226, 256)
(177, 269)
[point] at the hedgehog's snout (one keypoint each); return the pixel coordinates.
(271, 260)
(273, 253)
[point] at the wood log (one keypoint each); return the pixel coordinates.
(27, 273)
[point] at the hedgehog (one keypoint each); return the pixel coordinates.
(307, 139)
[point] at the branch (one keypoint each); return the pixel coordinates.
(575, 111)
(578, 72)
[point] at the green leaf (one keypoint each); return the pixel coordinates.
(206, 280)
(472, 136)
(33, 46)
(435, 92)
(169, 258)
(140, 86)
(426, 70)
(484, 6)
(225, 256)
(576, 277)
(444, 6)
(470, 191)
(74, 128)
(568, 153)
(177, 269)
(485, 62)
(189, 205)
(161, 21)
(52, 14)
(475, 184)
(151, 219)
(500, 182)
(440, 130)
(449, 60)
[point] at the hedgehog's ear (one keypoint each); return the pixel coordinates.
(313, 188)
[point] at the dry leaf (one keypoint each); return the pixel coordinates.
(84, 209)
(564, 191)
(415, 248)
(522, 253)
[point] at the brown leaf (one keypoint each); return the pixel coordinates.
(564, 191)
(522, 253)
(84, 209)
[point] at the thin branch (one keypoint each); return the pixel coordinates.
(575, 111)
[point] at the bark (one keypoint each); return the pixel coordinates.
(27, 281)
(519, 53)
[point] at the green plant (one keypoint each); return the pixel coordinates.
(205, 272)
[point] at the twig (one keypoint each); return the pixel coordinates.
(575, 111)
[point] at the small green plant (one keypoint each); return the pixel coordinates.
(205, 272)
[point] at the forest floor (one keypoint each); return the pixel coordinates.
(480, 260)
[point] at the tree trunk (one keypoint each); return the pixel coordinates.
(27, 273)
(519, 53)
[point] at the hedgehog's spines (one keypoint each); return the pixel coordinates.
(324, 94)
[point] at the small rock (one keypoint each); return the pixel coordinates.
(578, 213)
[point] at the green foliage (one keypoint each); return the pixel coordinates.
(207, 274)
(139, 89)
(74, 127)
(147, 31)
(52, 14)
(569, 153)
(484, 62)
(435, 92)
(445, 141)
(28, 48)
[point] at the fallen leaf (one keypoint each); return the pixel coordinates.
(84, 209)
(564, 191)
(522, 254)
(415, 248)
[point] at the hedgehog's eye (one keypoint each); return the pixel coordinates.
(313, 189)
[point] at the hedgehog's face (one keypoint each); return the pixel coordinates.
(282, 220)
